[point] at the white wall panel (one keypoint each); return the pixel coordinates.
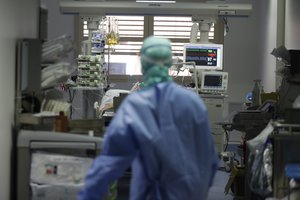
(18, 19)
(292, 27)
(269, 38)
(242, 53)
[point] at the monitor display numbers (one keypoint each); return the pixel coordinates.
(207, 56)
(202, 57)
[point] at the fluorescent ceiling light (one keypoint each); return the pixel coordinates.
(153, 1)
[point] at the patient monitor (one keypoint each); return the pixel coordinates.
(207, 67)
(207, 56)
(213, 82)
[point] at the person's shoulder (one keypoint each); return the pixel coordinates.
(134, 99)
(186, 100)
(184, 92)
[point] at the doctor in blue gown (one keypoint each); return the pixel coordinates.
(162, 132)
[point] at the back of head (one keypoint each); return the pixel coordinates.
(156, 58)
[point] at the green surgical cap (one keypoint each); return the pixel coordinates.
(156, 58)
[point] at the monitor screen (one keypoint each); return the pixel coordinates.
(213, 80)
(206, 56)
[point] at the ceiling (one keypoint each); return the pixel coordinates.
(180, 1)
(176, 0)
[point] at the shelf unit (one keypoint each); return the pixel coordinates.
(91, 71)
(91, 68)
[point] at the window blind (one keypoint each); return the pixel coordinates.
(131, 34)
(177, 29)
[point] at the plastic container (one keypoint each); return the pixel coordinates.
(256, 93)
(61, 122)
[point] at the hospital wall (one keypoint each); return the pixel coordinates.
(292, 28)
(18, 19)
(280, 22)
(243, 53)
(269, 26)
(246, 44)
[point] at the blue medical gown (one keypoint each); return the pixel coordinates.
(163, 131)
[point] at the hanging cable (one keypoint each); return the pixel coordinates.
(226, 26)
(71, 98)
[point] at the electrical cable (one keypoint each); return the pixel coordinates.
(77, 112)
(226, 25)
(226, 139)
(73, 109)
(71, 98)
(88, 100)
(100, 94)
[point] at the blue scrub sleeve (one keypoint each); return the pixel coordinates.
(118, 153)
(212, 150)
(215, 165)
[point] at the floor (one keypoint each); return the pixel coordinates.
(216, 191)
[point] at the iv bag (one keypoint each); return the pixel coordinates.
(112, 31)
